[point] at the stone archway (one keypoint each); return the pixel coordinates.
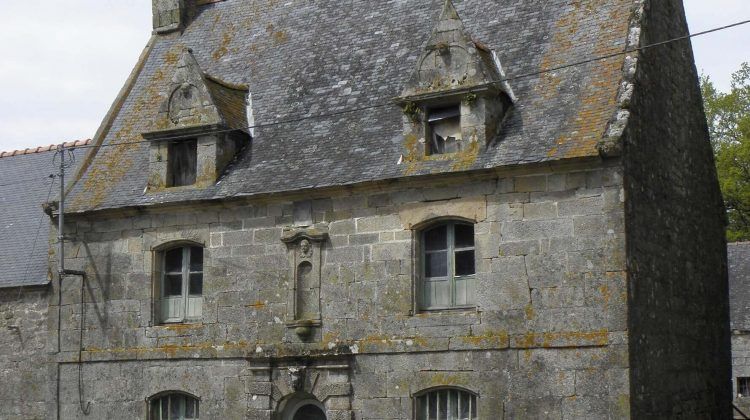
(302, 406)
(309, 412)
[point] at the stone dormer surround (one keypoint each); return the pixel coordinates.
(456, 70)
(203, 109)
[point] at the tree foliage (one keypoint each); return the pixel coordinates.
(728, 117)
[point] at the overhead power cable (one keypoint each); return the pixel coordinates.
(388, 103)
(503, 80)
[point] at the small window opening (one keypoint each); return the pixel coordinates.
(449, 267)
(183, 161)
(743, 387)
(444, 130)
(446, 404)
(182, 284)
(175, 407)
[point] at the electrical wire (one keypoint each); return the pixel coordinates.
(383, 104)
(503, 80)
(36, 237)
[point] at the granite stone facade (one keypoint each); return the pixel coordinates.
(597, 283)
(551, 305)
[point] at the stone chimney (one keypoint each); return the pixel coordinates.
(169, 15)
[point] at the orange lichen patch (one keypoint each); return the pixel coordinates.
(497, 339)
(598, 92)
(606, 294)
(442, 379)
(257, 305)
(113, 162)
(223, 48)
(181, 327)
(171, 57)
(529, 310)
(561, 339)
(279, 36)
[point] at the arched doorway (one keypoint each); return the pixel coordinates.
(302, 407)
(309, 412)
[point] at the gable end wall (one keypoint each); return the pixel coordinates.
(676, 251)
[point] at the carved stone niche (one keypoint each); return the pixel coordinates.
(303, 296)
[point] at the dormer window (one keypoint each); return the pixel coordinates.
(456, 100)
(444, 128)
(201, 127)
(183, 163)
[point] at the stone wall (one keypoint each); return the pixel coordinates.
(740, 368)
(679, 312)
(23, 367)
(547, 339)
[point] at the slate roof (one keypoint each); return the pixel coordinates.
(739, 285)
(24, 228)
(307, 59)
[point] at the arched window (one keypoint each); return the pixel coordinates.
(181, 284)
(448, 266)
(446, 404)
(174, 406)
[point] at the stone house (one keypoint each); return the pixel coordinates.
(25, 185)
(739, 281)
(396, 210)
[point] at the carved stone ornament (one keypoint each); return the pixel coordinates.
(297, 378)
(305, 248)
(303, 296)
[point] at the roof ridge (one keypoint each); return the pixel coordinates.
(42, 149)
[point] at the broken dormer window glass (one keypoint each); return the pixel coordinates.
(444, 128)
(183, 161)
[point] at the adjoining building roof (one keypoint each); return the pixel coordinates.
(326, 57)
(739, 285)
(25, 185)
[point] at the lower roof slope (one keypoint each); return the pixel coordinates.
(25, 185)
(739, 285)
(309, 59)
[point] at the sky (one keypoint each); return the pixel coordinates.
(63, 62)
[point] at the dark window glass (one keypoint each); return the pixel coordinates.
(436, 264)
(464, 236)
(436, 238)
(173, 261)
(743, 387)
(173, 285)
(446, 404)
(196, 284)
(190, 410)
(465, 263)
(196, 259)
(183, 159)
(309, 412)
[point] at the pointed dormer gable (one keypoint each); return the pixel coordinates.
(198, 100)
(457, 97)
(202, 124)
(452, 59)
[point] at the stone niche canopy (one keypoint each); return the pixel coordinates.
(200, 127)
(458, 94)
(305, 245)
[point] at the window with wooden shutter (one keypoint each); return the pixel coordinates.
(183, 163)
(448, 266)
(181, 284)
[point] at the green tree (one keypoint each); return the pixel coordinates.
(728, 117)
